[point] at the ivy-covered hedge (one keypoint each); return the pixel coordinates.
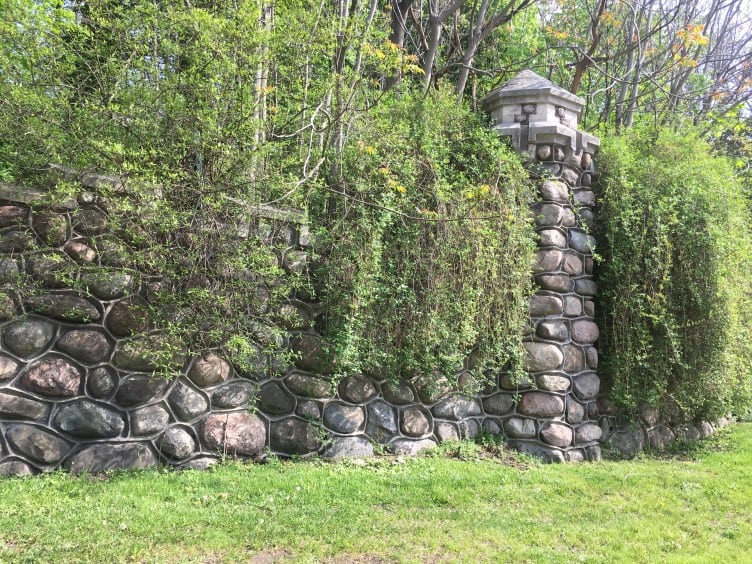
(675, 302)
(426, 243)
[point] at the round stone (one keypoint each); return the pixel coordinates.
(15, 240)
(12, 215)
(586, 161)
(468, 428)
(102, 457)
(349, 447)
(572, 306)
(456, 407)
(398, 392)
(13, 406)
(585, 331)
(591, 354)
(520, 428)
(446, 432)
(87, 419)
(573, 265)
(234, 434)
(415, 422)
(547, 215)
(37, 443)
(308, 409)
(432, 387)
(570, 176)
(552, 238)
(108, 285)
(149, 420)
(52, 228)
(139, 389)
(498, 404)
(557, 434)
(209, 369)
(541, 404)
(575, 412)
(90, 221)
(64, 306)
(27, 338)
(16, 468)
(8, 270)
(553, 382)
(233, 395)
(8, 367)
(8, 307)
(548, 260)
(589, 308)
(80, 252)
(492, 427)
(309, 349)
(309, 386)
(555, 330)
(345, 419)
(411, 447)
(542, 305)
(294, 436)
(555, 191)
(515, 382)
(149, 353)
(274, 399)
(101, 382)
(543, 152)
(587, 385)
(574, 358)
(176, 443)
(54, 377)
(585, 198)
(588, 433)
(581, 241)
(86, 345)
(542, 356)
(112, 252)
(357, 389)
(127, 317)
(186, 402)
(382, 421)
(585, 287)
(53, 270)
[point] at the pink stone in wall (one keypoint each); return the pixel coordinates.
(52, 377)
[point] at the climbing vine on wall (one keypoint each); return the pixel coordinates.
(427, 244)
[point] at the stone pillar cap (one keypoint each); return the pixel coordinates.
(530, 87)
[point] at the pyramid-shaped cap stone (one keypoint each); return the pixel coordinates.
(527, 82)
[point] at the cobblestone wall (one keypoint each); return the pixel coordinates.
(78, 387)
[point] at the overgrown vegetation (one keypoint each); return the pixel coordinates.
(428, 251)
(405, 510)
(677, 254)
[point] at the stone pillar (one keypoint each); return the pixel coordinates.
(541, 119)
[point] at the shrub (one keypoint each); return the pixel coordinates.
(675, 300)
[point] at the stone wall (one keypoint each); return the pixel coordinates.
(80, 380)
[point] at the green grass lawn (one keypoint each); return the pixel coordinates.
(695, 508)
